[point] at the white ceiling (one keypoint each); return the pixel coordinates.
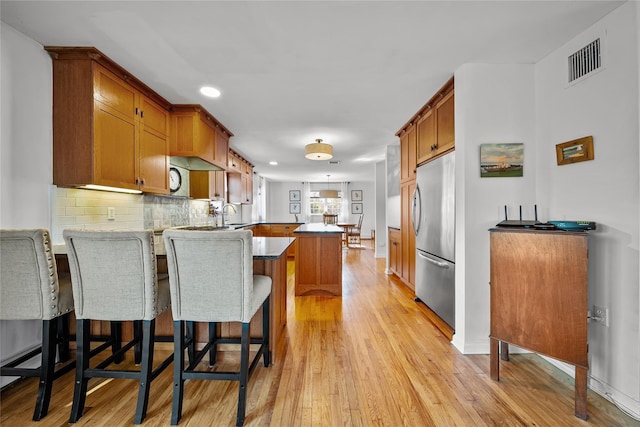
(349, 72)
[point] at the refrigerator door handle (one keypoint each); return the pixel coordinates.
(433, 261)
(415, 209)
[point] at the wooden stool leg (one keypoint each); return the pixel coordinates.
(191, 341)
(83, 350)
(266, 331)
(116, 340)
(146, 369)
(244, 374)
(213, 338)
(47, 366)
(178, 369)
(138, 337)
(63, 337)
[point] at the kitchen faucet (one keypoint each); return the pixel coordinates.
(225, 206)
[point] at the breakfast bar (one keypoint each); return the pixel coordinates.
(269, 259)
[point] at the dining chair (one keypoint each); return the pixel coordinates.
(211, 280)
(31, 289)
(329, 218)
(114, 277)
(354, 232)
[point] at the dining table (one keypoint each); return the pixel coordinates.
(347, 228)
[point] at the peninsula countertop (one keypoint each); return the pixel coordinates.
(319, 228)
(263, 247)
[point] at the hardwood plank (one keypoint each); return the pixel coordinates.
(368, 358)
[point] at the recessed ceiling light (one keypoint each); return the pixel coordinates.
(273, 163)
(209, 91)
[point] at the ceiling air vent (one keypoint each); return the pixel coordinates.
(585, 61)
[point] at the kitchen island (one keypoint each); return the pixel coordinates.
(269, 259)
(318, 259)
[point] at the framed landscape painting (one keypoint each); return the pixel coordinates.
(501, 160)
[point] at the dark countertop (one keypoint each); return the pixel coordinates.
(320, 228)
(263, 247)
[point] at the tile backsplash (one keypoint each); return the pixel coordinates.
(89, 209)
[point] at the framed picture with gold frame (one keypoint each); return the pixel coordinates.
(577, 150)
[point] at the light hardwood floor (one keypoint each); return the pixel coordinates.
(368, 358)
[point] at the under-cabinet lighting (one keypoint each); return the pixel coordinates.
(114, 189)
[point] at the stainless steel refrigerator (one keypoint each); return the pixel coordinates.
(433, 215)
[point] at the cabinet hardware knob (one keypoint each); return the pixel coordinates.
(137, 111)
(142, 113)
(137, 181)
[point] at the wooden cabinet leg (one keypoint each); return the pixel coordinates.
(581, 393)
(504, 351)
(494, 361)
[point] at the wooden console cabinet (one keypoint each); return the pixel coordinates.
(539, 299)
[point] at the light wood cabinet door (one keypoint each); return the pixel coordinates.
(222, 147)
(446, 123)
(427, 141)
(153, 174)
(247, 186)
(206, 185)
(395, 251)
(408, 155)
(408, 272)
(207, 139)
(114, 149)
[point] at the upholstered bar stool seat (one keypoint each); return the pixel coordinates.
(30, 288)
(114, 277)
(211, 279)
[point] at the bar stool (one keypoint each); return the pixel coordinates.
(211, 280)
(114, 277)
(30, 288)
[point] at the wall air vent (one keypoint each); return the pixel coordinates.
(585, 61)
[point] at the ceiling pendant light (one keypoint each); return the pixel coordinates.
(318, 150)
(329, 193)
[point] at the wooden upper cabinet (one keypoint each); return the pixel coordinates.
(446, 122)
(222, 146)
(435, 123)
(207, 185)
(234, 163)
(196, 135)
(154, 147)
(408, 155)
(426, 136)
(239, 179)
(109, 128)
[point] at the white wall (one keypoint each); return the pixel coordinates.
(381, 211)
(25, 157)
(278, 202)
(604, 190)
(533, 104)
(494, 104)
